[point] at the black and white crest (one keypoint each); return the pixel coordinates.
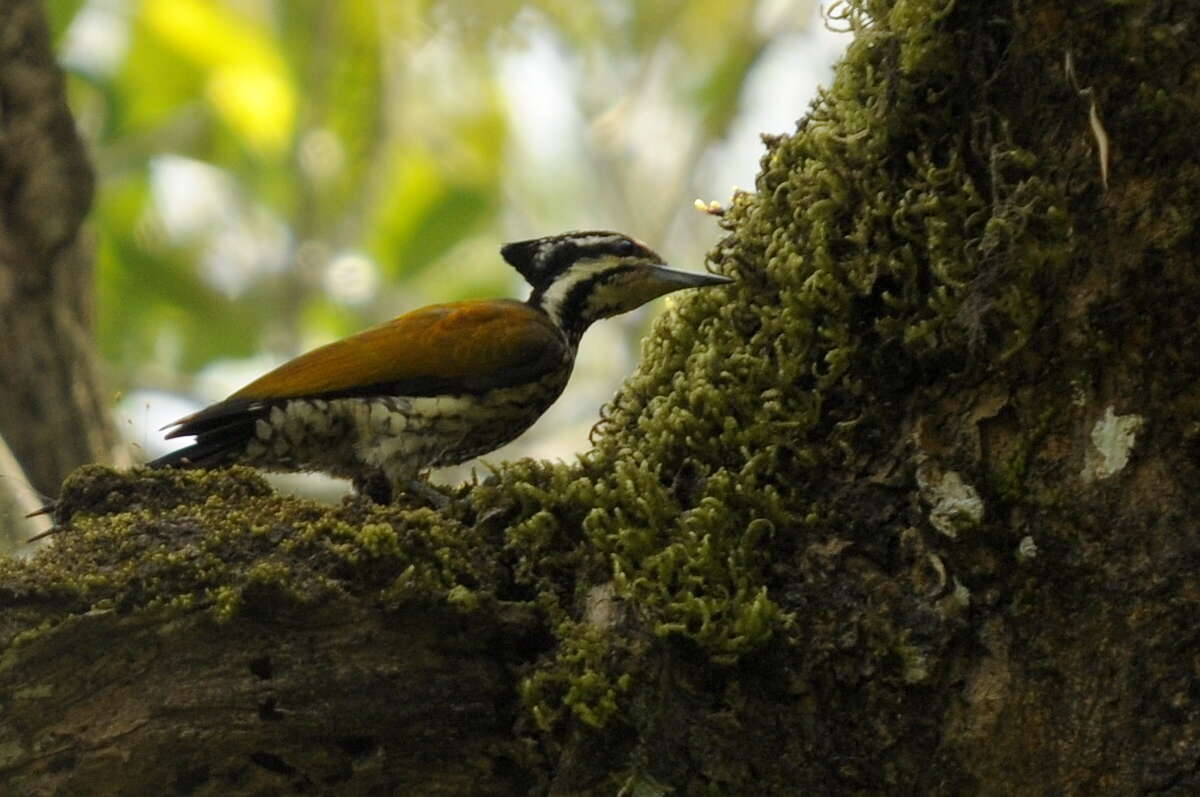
(542, 260)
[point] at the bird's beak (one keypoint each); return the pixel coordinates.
(650, 282)
(671, 280)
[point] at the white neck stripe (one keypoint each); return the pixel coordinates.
(556, 294)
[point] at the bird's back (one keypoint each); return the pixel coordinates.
(434, 387)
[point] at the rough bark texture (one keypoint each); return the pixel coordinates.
(357, 634)
(432, 708)
(52, 412)
(909, 509)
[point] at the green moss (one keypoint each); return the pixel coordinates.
(134, 541)
(1009, 483)
(901, 236)
(583, 682)
(903, 245)
(225, 602)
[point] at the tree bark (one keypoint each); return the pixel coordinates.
(909, 509)
(53, 413)
(431, 713)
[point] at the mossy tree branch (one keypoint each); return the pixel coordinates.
(908, 509)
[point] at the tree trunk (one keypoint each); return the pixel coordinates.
(909, 509)
(52, 410)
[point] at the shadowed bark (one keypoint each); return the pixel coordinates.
(53, 414)
(908, 509)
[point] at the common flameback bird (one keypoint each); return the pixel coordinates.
(436, 386)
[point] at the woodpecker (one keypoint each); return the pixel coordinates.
(436, 386)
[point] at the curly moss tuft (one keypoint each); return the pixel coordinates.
(900, 238)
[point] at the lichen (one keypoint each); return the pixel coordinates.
(1112, 438)
(955, 505)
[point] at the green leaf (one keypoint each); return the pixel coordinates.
(246, 80)
(60, 14)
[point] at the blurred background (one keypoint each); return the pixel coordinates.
(275, 174)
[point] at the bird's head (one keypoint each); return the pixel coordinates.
(581, 277)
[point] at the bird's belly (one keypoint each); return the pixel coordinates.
(399, 435)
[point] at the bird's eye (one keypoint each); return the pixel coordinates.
(626, 248)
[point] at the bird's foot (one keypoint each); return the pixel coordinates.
(380, 489)
(374, 486)
(431, 495)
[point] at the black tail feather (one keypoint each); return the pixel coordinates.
(221, 436)
(213, 446)
(215, 418)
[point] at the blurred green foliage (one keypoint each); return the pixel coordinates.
(257, 157)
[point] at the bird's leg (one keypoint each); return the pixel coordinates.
(374, 485)
(427, 493)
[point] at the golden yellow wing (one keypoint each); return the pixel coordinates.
(444, 348)
(455, 348)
